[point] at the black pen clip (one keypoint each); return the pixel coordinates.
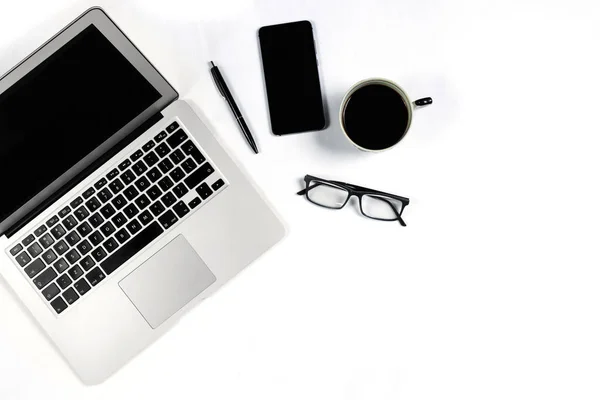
(215, 75)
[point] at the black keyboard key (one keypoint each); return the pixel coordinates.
(181, 209)
(177, 156)
(35, 268)
(154, 193)
(168, 219)
(93, 204)
(46, 241)
(49, 256)
(148, 146)
(191, 150)
(23, 259)
(28, 240)
(119, 202)
(84, 229)
(100, 184)
(131, 193)
(96, 238)
(116, 186)
(162, 150)
(107, 229)
(52, 221)
(145, 217)
(189, 165)
(84, 247)
(99, 254)
(131, 211)
(59, 305)
(45, 278)
(58, 231)
(64, 212)
(88, 193)
(157, 208)
(112, 174)
(180, 190)
(70, 222)
(61, 265)
(165, 165)
(136, 156)
(177, 174)
(204, 191)
(34, 250)
(75, 273)
(16, 250)
(131, 248)
(96, 220)
(119, 220)
(134, 227)
(71, 296)
(73, 256)
(82, 287)
(81, 213)
(96, 276)
(218, 185)
(171, 128)
(73, 238)
(169, 199)
(142, 184)
(165, 183)
(128, 177)
(139, 168)
(107, 211)
(111, 245)
(61, 248)
(40, 231)
(151, 159)
(76, 203)
(195, 203)
(122, 235)
(199, 175)
(51, 292)
(142, 202)
(154, 174)
(64, 281)
(177, 138)
(87, 263)
(124, 165)
(160, 137)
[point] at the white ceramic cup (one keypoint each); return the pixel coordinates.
(410, 106)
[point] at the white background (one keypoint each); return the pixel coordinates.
(493, 289)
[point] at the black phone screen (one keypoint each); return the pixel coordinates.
(292, 78)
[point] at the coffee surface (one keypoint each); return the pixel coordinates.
(375, 117)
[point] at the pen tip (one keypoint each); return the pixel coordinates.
(212, 64)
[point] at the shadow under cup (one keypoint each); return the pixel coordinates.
(375, 115)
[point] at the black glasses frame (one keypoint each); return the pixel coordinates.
(359, 192)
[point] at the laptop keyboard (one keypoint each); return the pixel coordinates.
(99, 230)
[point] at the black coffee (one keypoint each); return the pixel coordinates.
(375, 117)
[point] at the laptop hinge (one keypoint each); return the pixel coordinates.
(83, 174)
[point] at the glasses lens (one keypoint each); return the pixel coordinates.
(326, 195)
(381, 207)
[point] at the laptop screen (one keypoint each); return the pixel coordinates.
(62, 110)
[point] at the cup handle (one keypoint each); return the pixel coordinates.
(425, 101)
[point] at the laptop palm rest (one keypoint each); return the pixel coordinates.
(167, 281)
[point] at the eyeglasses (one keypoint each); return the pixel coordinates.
(373, 203)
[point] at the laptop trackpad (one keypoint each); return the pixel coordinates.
(167, 282)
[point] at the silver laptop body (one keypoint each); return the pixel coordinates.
(109, 252)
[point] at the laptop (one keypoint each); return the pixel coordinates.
(120, 210)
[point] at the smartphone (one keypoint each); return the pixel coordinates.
(291, 73)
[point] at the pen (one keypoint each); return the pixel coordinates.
(224, 90)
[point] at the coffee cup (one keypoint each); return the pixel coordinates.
(376, 114)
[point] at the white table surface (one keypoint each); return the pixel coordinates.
(493, 289)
